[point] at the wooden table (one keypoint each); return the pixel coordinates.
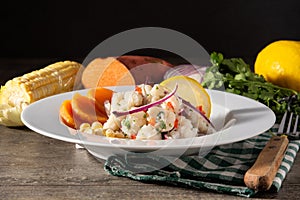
(33, 166)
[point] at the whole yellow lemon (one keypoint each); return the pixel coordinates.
(279, 63)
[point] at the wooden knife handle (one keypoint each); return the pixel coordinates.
(261, 175)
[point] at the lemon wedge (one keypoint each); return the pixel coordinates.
(190, 90)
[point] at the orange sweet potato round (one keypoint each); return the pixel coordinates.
(106, 72)
(86, 110)
(66, 114)
(100, 94)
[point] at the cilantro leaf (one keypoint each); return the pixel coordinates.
(236, 76)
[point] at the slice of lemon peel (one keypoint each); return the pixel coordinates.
(190, 90)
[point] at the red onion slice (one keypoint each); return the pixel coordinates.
(189, 105)
(145, 107)
(193, 71)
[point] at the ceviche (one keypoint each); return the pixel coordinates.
(150, 113)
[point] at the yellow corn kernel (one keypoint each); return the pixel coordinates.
(114, 134)
(96, 125)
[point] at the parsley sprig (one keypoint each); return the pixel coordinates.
(235, 76)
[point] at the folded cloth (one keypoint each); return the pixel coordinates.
(221, 170)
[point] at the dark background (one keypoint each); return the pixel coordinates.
(71, 29)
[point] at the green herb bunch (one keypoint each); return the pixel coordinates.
(235, 76)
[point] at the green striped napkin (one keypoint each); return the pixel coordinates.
(221, 170)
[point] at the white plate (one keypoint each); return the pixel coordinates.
(242, 117)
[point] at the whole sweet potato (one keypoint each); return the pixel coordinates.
(124, 70)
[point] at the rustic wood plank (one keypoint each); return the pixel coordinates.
(35, 166)
(107, 192)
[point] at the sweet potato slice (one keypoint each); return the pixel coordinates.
(100, 94)
(106, 72)
(116, 74)
(86, 110)
(66, 114)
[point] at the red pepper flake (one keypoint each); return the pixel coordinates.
(200, 108)
(176, 123)
(170, 105)
(138, 89)
(133, 136)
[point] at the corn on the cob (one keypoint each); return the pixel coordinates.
(24, 90)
